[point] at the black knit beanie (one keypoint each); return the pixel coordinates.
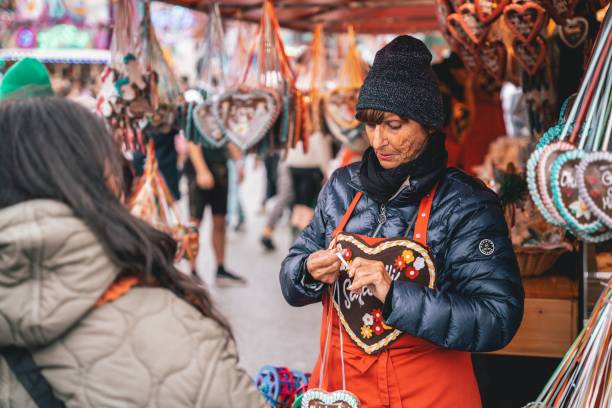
(401, 81)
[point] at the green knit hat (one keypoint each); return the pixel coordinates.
(26, 79)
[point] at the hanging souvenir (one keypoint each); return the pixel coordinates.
(490, 10)
(582, 379)
(531, 56)
(152, 202)
(466, 28)
(266, 103)
(340, 103)
(561, 10)
(525, 20)
(574, 31)
(212, 82)
(493, 57)
(443, 10)
(280, 385)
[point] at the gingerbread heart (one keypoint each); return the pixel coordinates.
(493, 57)
(339, 110)
(361, 313)
(246, 115)
(207, 124)
(475, 29)
(443, 10)
(561, 10)
(574, 31)
(531, 55)
(317, 398)
(525, 20)
(458, 32)
(470, 60)
(490, 10)
(594, 177)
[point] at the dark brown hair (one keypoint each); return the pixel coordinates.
(374, 117)
(55, 149)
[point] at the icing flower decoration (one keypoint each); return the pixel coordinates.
(366, 332)
(347, 254)
(399, 263)
(368, 320)
(378, 329)
(408, 256)
(419, 263)
(412, 273)
(377, 314)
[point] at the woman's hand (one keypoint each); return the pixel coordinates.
(371, 274)
(324, 266)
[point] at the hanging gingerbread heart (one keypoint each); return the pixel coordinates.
(458, 32)
(207, 124)
(443, 10)
(475, 29)
(490, 10)
(574, 31)
(469, 58)
(493, 57)
(246, 115)
(339, 106)
(525, 20)
(531, 55)
(317, 398)
(595, 184)
(561, 10)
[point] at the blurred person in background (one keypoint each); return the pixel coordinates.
(89, 294)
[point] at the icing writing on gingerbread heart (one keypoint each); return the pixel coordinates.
(525, 20)
(474, 28)
(596, 174)
(531, 55)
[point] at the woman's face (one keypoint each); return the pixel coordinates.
(396, 141)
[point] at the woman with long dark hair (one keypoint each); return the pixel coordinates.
(91, 291)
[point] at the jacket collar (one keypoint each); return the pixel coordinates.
(402, 198)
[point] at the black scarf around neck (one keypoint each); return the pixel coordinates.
(424, 171)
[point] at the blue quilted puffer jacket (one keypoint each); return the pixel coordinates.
(477, 304)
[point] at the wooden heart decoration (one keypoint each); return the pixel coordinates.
(561, 10)
(531, 55)
(361, 313)
(206, 122)
(595, 184)
(317, 398)
(340, 109)
(574, 31)
(246, 115)
(493, 57)
(525, 20)
(470, 60)
(490, 10)
(475, 29)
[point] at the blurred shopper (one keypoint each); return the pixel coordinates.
(26, 79)
(208, 175)
(94, 310)
(414, 315)
(284, 198)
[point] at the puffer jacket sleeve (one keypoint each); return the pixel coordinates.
(226, 384)
(297, 289)
(480, 305)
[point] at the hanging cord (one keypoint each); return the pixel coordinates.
(337, 289)
(332, 292)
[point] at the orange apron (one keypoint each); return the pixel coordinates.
(409, 372)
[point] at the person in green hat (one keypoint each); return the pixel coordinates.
(26, 79)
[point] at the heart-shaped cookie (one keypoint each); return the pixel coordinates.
(469, 58)
(475, 29)
(531, 55)
(525, 20)
(246, 115)
(493, 57)
(458, 32)
(339, 107)
(361, 313)
(207, 124)
(443, 10)
(574, 31)
(317, 398)
(594, 177)
(490, 10)
(560, 10)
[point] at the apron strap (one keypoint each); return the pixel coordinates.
(422, 219)
(347, 214)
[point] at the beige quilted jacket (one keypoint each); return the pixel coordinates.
(146, 349)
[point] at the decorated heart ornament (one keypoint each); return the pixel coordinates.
(489, 10)
(246, 115)
(469, 58)
(361, 313)
(206, 122)
(561, 10)
(318, 398)
(531, 55)
(493, 58)
(443, 10)
(574, 31)
(458, 32)
(525, 20)
(543, 174)
(475, 29)
(339, 107)
(594, 177)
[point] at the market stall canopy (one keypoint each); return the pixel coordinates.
(367, 16)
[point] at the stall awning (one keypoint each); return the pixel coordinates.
(367, 16)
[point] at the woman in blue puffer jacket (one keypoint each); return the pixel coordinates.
(411, 259)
